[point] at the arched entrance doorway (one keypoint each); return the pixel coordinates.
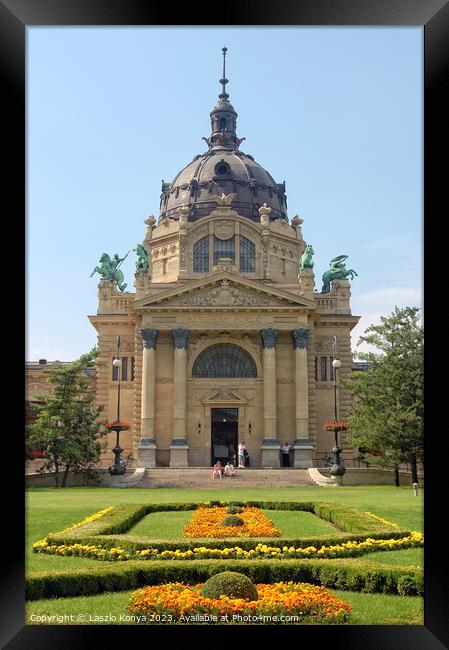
(224, 407)
(224, 435)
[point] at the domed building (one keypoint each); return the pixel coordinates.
(225, 339)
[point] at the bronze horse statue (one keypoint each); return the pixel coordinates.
(337, 271)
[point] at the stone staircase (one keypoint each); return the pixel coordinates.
(202, 477)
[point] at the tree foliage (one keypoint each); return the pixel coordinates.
(67, 426)
(387, 419)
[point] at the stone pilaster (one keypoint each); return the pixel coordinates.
(270, 445)
(302, 447)
(179, 447)
(147, 445)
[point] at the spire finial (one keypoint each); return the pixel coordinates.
(224, 81)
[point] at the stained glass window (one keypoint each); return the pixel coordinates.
(224, 248)
(247, 255)
(201, 255)
(224, 360)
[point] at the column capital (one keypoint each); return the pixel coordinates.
(180, 337)
(149, 338)
(300, 338)
(269, 337)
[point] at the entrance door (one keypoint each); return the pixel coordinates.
(224, 433)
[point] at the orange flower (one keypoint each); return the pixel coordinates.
(306, 602)
(117, 424)
(336, 425)
(206, 522)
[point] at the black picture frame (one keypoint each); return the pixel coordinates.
(433, 15)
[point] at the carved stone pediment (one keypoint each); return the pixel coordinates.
(225, 396)
(225, 294)
(224, 289)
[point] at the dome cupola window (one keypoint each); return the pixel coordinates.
(222, 169)
(224, 248)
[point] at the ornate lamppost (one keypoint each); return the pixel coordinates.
(337, 469)
(119, 467)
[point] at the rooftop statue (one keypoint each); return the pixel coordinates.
(224, 199)
(306, 261)
(109, 269)
(142, 258)
(337, 271)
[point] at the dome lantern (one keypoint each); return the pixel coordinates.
(223, 169)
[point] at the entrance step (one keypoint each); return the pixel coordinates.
(202, 477)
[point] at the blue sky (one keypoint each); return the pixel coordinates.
(335, 112)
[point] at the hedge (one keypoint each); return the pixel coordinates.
(132, 544)
(121, 518)
(337, 574)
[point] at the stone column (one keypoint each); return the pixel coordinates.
(270, 446)
(147, 444)
(179, 448)
(302, 446)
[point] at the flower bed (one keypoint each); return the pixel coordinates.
(208, 522)
(345, 549)
(282, 602)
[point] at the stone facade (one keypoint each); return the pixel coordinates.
(272, 313)
(225, 339)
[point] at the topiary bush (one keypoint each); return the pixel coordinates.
(232, 520)
(229, 583)
(234, 510)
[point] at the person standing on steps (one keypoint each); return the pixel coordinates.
(285, 449)
(241, 454)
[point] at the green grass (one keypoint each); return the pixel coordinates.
(162, 525)
(403, 557)
(381, 609)
(368, 609)
(170, 525)
(300, 524)
(51, 510)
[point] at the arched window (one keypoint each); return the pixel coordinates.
(224, 248)
(201, 255)
(247, 255)
(222, 124)
(224, 360)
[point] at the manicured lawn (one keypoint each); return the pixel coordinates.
(170, 525)
(382, 609)
(406, 556)
(51, 510)
(300, 524)
(368, 609)
(162, 525)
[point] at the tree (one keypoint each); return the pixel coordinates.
(67, 427)
(386, 421)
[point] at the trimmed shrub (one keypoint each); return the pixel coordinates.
(406, 586)
(232, 520)
(133, 543)
(348, 575)
(234, 510)
(349, 519)
(121, 518)
(229, 583)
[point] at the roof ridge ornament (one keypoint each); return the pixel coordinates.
(223, 80)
